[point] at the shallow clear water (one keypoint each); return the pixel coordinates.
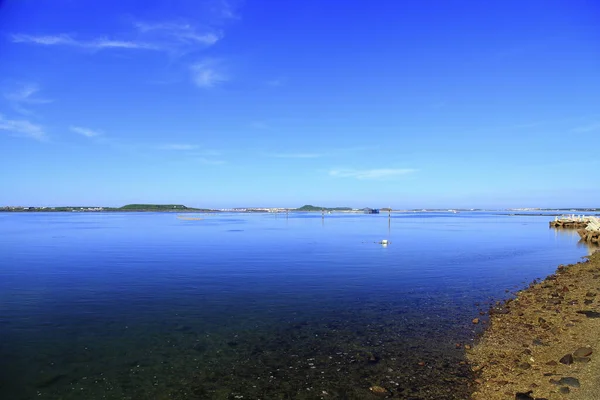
(146, 305)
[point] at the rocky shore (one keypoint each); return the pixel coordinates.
(544, 343)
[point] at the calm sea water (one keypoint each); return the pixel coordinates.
(255, 306)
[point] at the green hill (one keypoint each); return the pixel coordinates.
(153, 207)
(309, 207)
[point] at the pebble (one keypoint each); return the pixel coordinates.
(524, 365)
(475, 320)
(569, 381)
(379, 391)
(590, 314)
(564, 390)
(524, 396)
(567, 359)
(582, 352)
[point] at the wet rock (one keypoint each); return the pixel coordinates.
(499, 310)
(589, 314)
(567, 359)
(373, 358)
(569, 381)
(564, 390)
(379, 391)
(475, 320)
(524, 396)
(552, 363)
(582, 352)
(524, 365)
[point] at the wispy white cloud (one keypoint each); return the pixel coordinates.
(94, 44)
(226, 9)
(87, 132)
(365, 174)
(178, 146)
(296, 155)
(181, 32)
(171, 37)
(24, 96)
(593, 127)
(46, 40)
(208, 73)
(22, 128)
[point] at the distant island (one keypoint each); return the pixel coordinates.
(309, 207)
(126, 208)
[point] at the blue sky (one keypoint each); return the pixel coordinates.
(221, 103)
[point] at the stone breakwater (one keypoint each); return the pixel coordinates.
(544, 343)
(573, 222)
(591, 233)
(589, 236)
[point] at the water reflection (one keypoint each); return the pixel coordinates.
(591, 247)
(572, 234)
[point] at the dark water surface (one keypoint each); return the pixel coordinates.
(148, 306)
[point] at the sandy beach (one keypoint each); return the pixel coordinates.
(544, 343)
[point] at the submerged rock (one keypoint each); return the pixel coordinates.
(379, 391)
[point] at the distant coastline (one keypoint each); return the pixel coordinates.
(179, 208)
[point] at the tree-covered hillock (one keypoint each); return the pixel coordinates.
(154, 207)
(309, 207)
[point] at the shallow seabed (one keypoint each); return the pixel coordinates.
(145, 305)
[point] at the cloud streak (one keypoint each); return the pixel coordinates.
(371, 174)
(208, 73)
(87, 132)
(25, 96)
(94, 44)
(161, 36)
(22, 128)
(180, 32)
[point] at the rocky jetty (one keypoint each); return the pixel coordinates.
(572, 222)
(591, 233)
(545, 344)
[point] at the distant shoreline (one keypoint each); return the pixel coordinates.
(340, 210)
